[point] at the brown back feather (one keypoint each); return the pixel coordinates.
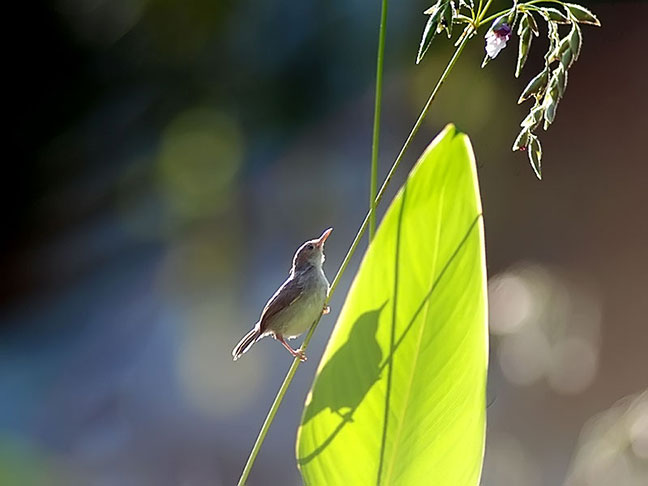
(291, 290)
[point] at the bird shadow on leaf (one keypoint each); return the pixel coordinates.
(347, 359)
(365, 366)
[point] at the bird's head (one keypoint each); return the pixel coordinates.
(311, 253)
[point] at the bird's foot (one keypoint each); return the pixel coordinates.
(297, 353)
(326, 310)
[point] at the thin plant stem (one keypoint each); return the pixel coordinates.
(345, 262)
(481, 12)
(535, 2)
(373, 184)
(494, 16)
(421, 118)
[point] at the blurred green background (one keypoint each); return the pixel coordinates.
(166, 158)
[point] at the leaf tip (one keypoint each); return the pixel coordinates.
(450, 130)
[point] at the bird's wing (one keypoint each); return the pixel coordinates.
(291, 290)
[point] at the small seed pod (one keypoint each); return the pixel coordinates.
(525, 34)
(522, 140)
(532, 23)
(555, 15)
(567, 59)
(551, 100)
(582, 15)
(575, 40)
(535, 155)
(535, 87)
(561, 79)
(534, 118)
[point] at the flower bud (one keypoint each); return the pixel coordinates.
(497, 37)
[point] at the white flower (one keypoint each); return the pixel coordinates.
(496, 39)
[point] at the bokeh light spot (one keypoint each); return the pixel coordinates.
(524, 356)
(573, 365)
(546, 325)
(200, 155)
(508, 463)
(205, 366)
(511, 303)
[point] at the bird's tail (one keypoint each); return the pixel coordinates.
(246, 343)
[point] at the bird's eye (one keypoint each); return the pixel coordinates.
(310, 246)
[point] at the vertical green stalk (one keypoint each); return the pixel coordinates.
(373, 186)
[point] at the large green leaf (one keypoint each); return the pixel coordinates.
(399, 396)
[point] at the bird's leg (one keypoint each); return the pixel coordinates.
(326, 310)
(296, 353)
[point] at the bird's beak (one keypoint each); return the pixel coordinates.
(322, 239)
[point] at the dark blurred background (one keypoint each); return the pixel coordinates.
(164, 159)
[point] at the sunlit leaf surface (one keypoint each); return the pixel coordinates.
(399, 397)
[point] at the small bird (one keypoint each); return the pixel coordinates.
(298, 302)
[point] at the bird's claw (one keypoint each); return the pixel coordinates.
(297, 353)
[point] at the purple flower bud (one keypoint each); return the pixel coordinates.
(496, 38)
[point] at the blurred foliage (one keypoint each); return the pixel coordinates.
(200, 155)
